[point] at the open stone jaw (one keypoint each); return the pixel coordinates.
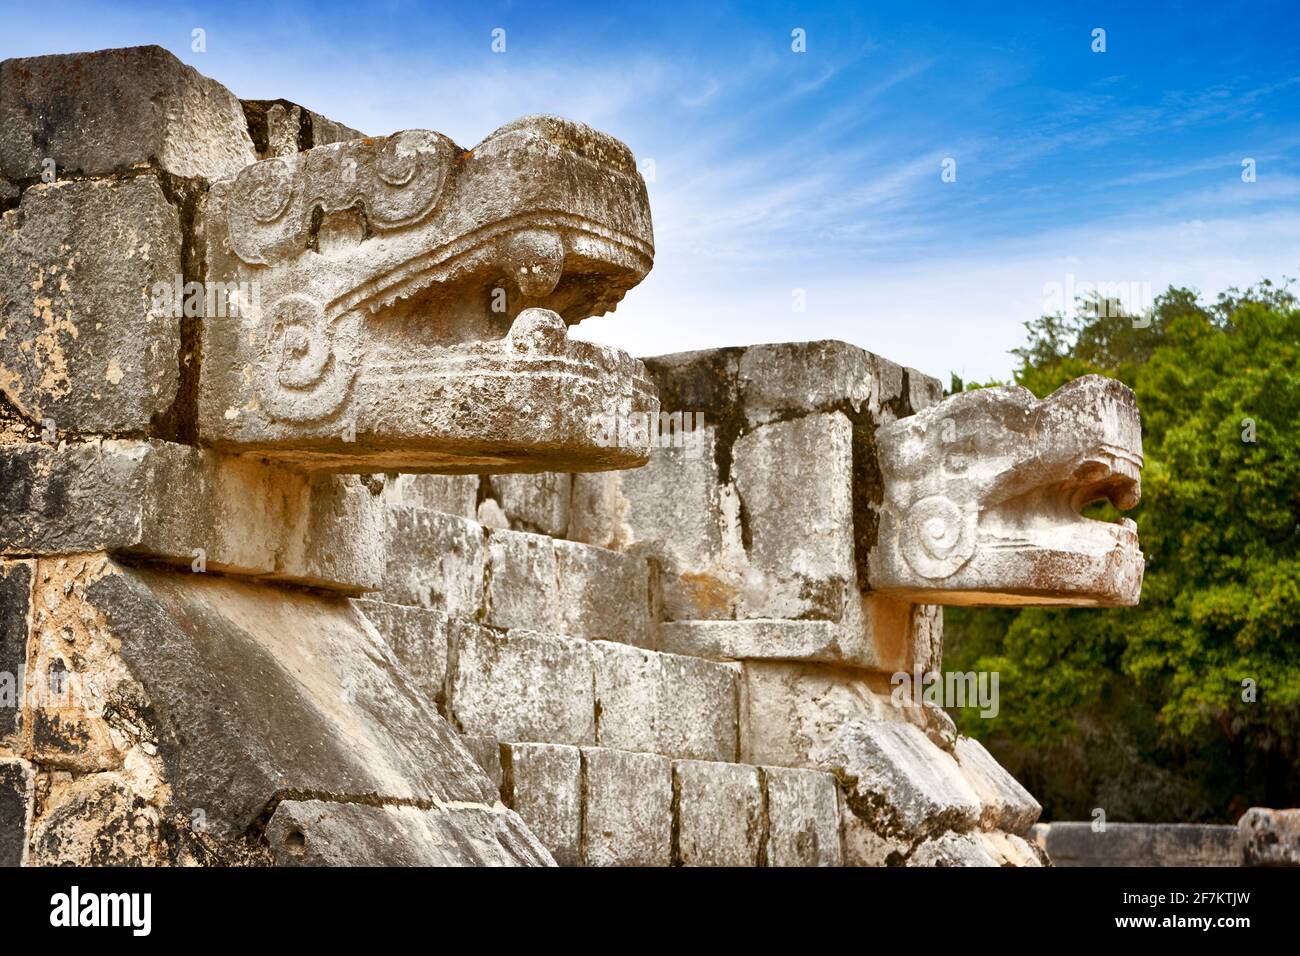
(983, 494)
(403, 304)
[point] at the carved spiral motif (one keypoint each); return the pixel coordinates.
(937, 537)
(398, 181)
(308, 363)
(410, 170)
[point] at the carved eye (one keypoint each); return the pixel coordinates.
(397, 161)
(265, 188)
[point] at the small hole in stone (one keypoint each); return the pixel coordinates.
(296, 842)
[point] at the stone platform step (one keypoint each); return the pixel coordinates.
(597, 806)
(524, 685)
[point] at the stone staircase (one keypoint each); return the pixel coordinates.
(542, 653)
(537, 651)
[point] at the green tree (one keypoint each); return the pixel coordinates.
(1144, 711)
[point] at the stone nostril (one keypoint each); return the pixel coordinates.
(1092, 471)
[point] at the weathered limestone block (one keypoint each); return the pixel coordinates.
(1139, 844)
(603, 595)
(776, 381)
(419, 637)
(434, 560)
(803, 818)
(665, 703)
(954, 849)
(521, 581)
(1010, 849)
(983, 495)
(1270, 837)
(899, 391)
(627, 810)
(719, 811)
(414, 299)
(543, 784)
(281, 128)
(192, 508)
(213, 696)
(321, 833)
(897, 781)
(1005, 804)
(597, 507)
(486, 751)
(83, 348)
(986, 848)
(864, 847)
(790, 708)
(536, 502)
(98, 820)
(451, 494)
(99, 113)
(673, 504)
(795, 480)
(16, 793)
(522, 686)
(776, 638)
(15, 620)
(490, 515)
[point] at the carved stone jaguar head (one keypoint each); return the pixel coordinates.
(983, 496)
(402, 304)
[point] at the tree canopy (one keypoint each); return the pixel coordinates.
(1186, 707)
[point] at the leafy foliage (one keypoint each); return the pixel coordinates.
(1140, 711)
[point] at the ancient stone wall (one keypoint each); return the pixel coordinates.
(694, 641)
(358, 558)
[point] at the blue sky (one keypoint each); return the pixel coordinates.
(821, 171)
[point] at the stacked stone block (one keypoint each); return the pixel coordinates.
(164, 697)
(719, 647)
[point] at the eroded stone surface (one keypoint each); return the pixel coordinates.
(1005, 804)
(1139, 844)
(419, 637)
(897, 781)
(214, 696)
(1270, 837)
(451, 494)
(803, 818)
(953, 849)
(542, 783)
(522, 685)
(194, 508)
(794, 480)
(627, 819)
(521, 582)
(321, 833)
(535, 502)
(282, 128)
(15, 809)
(15, 620)
(719, 813)
(603, 595)
(665, 703)
(433, 560)
(85, 349)
(100, 113)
